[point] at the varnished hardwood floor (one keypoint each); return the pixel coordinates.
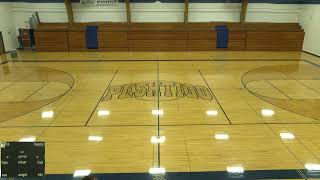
(252, 98)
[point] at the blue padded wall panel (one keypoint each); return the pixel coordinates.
(92, 37)
(222, 37)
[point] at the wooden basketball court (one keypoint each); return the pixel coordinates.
(98, 111)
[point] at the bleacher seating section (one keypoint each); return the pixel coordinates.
(169, 36)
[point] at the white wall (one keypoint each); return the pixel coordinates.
(310, 20)
(150, 12)
(7, 27)
(256, 12)
(159, 12)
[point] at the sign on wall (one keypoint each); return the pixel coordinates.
(99, 2)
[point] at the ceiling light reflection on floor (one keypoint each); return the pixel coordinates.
(287, 136)
(267, 112)
(28, 139)
(158, 139)
(81, 173)
(221, 136)
(103, 113)
(235, 169)
(157, 112)
(157, 170)
(212, 113)
(47, 114)
(95, 138)
(312, 167)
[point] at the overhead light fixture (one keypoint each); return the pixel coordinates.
(267, 112)
(312, 167)
(95, 138)
(157, 112)
(103, 113)
(212, 113)
(157, 170)
(47, 114)
(81, 173)
(28, 139)
(235, 169)
(158, 139)
(287, 136)
(221, 136)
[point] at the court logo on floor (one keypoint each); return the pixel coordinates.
(150, 90)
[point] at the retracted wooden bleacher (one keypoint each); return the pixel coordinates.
(52, 37)
(274, 36)
(202, 36)
(111, 37)
(157, 37)
(169, 36)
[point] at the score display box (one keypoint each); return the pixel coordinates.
(22, 159)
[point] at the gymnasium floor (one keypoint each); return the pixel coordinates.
(255, 110)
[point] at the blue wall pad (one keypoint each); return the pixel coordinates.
(222, 38)
(92, 37)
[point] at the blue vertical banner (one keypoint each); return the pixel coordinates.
(92, 37)
(222, 36)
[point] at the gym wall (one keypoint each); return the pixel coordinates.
(18, 14)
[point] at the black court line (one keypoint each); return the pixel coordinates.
(277, 98)
(158, 79)
(302, 175)
(158, 96)
(185, 145)
(152, 155)
(286, 146)
(299, 81)
(164, 60)
(101, 98)
(73, 81)
(209, 175)
(311, 54)
(215, 97)
(7, 86)
(305, 146)
(16, 81)
(278, 89)
(35, 91)
(283, 60)
(166, 125)
(310, 62)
